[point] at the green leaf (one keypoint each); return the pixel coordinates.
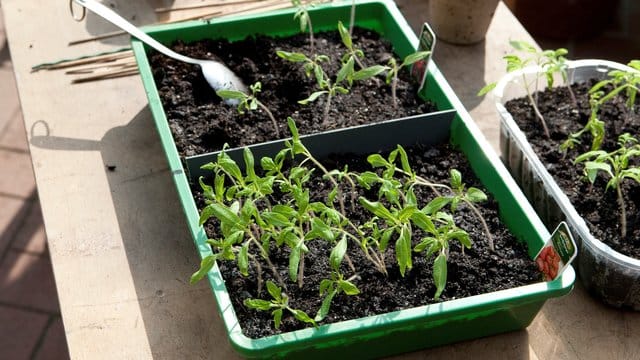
(384, 240)
(320, 230)
(411, 197)
(268, 164)
(633, 173)
(230, 167)
(248, 211)
(249, 163)
(403, 250)
(257, 304)
(340, 89)
(326, 306)
(422, 221)
(376, 160)
(425, 243)
(265, 185)
(460, 235)
(367, 178)
(348, 287)
(276, 219)
(415, 57)
(205, 265)
(344, 35)
(274, 290)
(406, 213)
(589, 155)
(345, 71)
(368, 72)
(440, 274)
(297, 172)
(304, 21)
(302, 316)
(293, 128)
(285, 210)
(522, 46)
(312, 97)
(378, 209)
(592, 168)
(404, 160)
(475, 195)
(325, 286)
(456, 179)
(277, 318)
(222, 213)
(206, 189)
(292, 56)
(302, 199)
(209, 165)
(294, 263)
(436, 204)
(231, 94)
(337, 253)
(243, 259)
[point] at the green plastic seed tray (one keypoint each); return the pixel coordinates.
(399, 331)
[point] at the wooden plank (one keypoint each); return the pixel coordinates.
(120, 249)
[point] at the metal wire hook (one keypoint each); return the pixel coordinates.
(73, 14)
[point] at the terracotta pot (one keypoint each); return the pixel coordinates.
(461, 21)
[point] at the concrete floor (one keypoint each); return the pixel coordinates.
(30, 323)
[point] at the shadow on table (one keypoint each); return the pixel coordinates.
(181, 319)
(5, 56)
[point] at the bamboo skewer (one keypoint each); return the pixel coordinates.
(86, 60)
(106, 76)
(90, 69)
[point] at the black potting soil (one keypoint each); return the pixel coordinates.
(476, 271)
(201, 123)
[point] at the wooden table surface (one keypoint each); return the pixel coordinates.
(119, 245)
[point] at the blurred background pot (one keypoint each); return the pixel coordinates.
(461, 21)
(564, 19)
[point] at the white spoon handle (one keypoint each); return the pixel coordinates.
(123, 24)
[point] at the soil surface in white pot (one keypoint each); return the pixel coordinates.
(598, 207)
(476, 271)
(201, 123)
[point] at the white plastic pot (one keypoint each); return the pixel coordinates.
(606, 273)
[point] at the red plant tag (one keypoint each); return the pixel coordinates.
(427, 43)
(557, 253)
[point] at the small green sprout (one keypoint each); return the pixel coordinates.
(394, 69)
(277, 305)
(352, 51)
(550, 61)
(594, 126)
(249, 102)
(343, 82)
(438, 243)
(627, 81)
(302, 15)
(621, 80)
(617, 166)
(337, 284)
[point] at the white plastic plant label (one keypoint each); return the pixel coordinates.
(427, 43)
(557, 253)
